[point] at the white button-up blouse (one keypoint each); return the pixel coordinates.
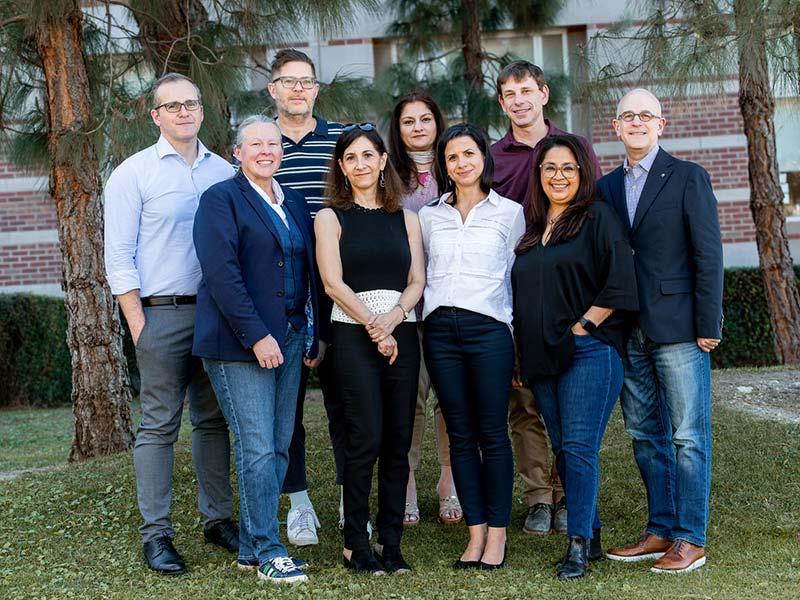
(469, 263)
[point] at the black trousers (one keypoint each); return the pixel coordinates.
(296, 480)
(379, 403)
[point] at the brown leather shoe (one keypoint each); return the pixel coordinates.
(649, 547)
(681, 558)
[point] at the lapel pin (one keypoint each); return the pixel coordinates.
(663, 174)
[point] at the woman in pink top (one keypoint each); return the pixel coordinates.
(415, 127)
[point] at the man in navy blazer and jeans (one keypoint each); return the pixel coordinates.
(671, 213)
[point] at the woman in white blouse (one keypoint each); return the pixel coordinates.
(469, 235)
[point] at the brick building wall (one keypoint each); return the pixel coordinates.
(707, 130)
(30, 259)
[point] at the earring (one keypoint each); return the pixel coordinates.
(382, 181)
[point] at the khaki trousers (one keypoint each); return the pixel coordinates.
(532, 449)
(420, 418)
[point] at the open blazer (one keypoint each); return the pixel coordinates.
(241, 298)
(677, 249)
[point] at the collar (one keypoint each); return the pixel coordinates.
(276, 190)
(646, 163)
(164, 148)
(493, 198)
(320, 129)
(509, 141)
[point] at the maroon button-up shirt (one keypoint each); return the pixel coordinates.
(514, 163)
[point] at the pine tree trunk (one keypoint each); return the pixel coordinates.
(167, 31)
(471, 51)
(100, 389)
(757, 104)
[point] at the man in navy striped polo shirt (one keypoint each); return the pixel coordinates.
(308, 143)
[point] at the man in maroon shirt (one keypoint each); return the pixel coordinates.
(522, 92)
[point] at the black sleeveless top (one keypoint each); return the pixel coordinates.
(374, 249)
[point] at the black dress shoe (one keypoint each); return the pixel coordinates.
(363, 561)
(576, 561)
(392, 560)
(467, 564)
(487, 567)
(161, 556)
(224, 534)
(595, 546)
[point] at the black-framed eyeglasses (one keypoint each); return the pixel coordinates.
(289, 82)
(645, 116)
(361, 126)
(568, 170)
(175, 106)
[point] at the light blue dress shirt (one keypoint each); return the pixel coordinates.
(635, 178)
(150, 202)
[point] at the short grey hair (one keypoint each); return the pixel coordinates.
(249, 121)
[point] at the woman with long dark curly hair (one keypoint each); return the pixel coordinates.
(573, 282)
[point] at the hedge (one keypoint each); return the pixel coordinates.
(35, 362)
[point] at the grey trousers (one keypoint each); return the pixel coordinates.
(168, 370)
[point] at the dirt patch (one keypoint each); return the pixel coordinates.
(772, 393)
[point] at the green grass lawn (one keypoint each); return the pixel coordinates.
(71, 533)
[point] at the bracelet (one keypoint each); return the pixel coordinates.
(403, 310)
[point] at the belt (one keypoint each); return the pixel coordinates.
(168, 300)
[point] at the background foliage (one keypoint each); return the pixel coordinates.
(35, 363)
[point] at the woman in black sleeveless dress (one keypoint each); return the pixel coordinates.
(369, 252)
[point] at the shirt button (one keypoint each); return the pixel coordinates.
(280, 293)
(280, 263)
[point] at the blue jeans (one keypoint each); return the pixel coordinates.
(666, 402)
(576, 406)
(259, 405)
(470, 358)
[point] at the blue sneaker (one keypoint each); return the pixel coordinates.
(281, 569)
(251, 564)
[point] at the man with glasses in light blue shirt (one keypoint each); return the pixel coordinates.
(152, 268)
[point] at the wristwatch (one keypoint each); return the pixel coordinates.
(588, 325)
(405, 312)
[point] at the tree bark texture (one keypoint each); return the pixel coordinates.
(168, 30)
(100, 388)
(757, 104)
(471, 48)
(165, 31)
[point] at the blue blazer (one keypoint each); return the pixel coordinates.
(677, 249)
(241, 298)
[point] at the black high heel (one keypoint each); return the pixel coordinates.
(363, 561)
(392, 560)
(487, 567)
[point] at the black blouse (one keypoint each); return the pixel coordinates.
(554, 286)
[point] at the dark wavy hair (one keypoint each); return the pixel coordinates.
(574, 216)
(340, 194)
(481, 140)
(405, 167)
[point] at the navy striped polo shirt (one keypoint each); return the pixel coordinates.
(305, 165)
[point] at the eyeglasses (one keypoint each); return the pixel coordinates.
(175, 106)
(568, 170)
(361, 126)
(290, 82)
(645, 116)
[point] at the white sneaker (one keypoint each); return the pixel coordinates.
(301, 526)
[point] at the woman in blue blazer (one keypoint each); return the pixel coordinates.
(256, 317)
